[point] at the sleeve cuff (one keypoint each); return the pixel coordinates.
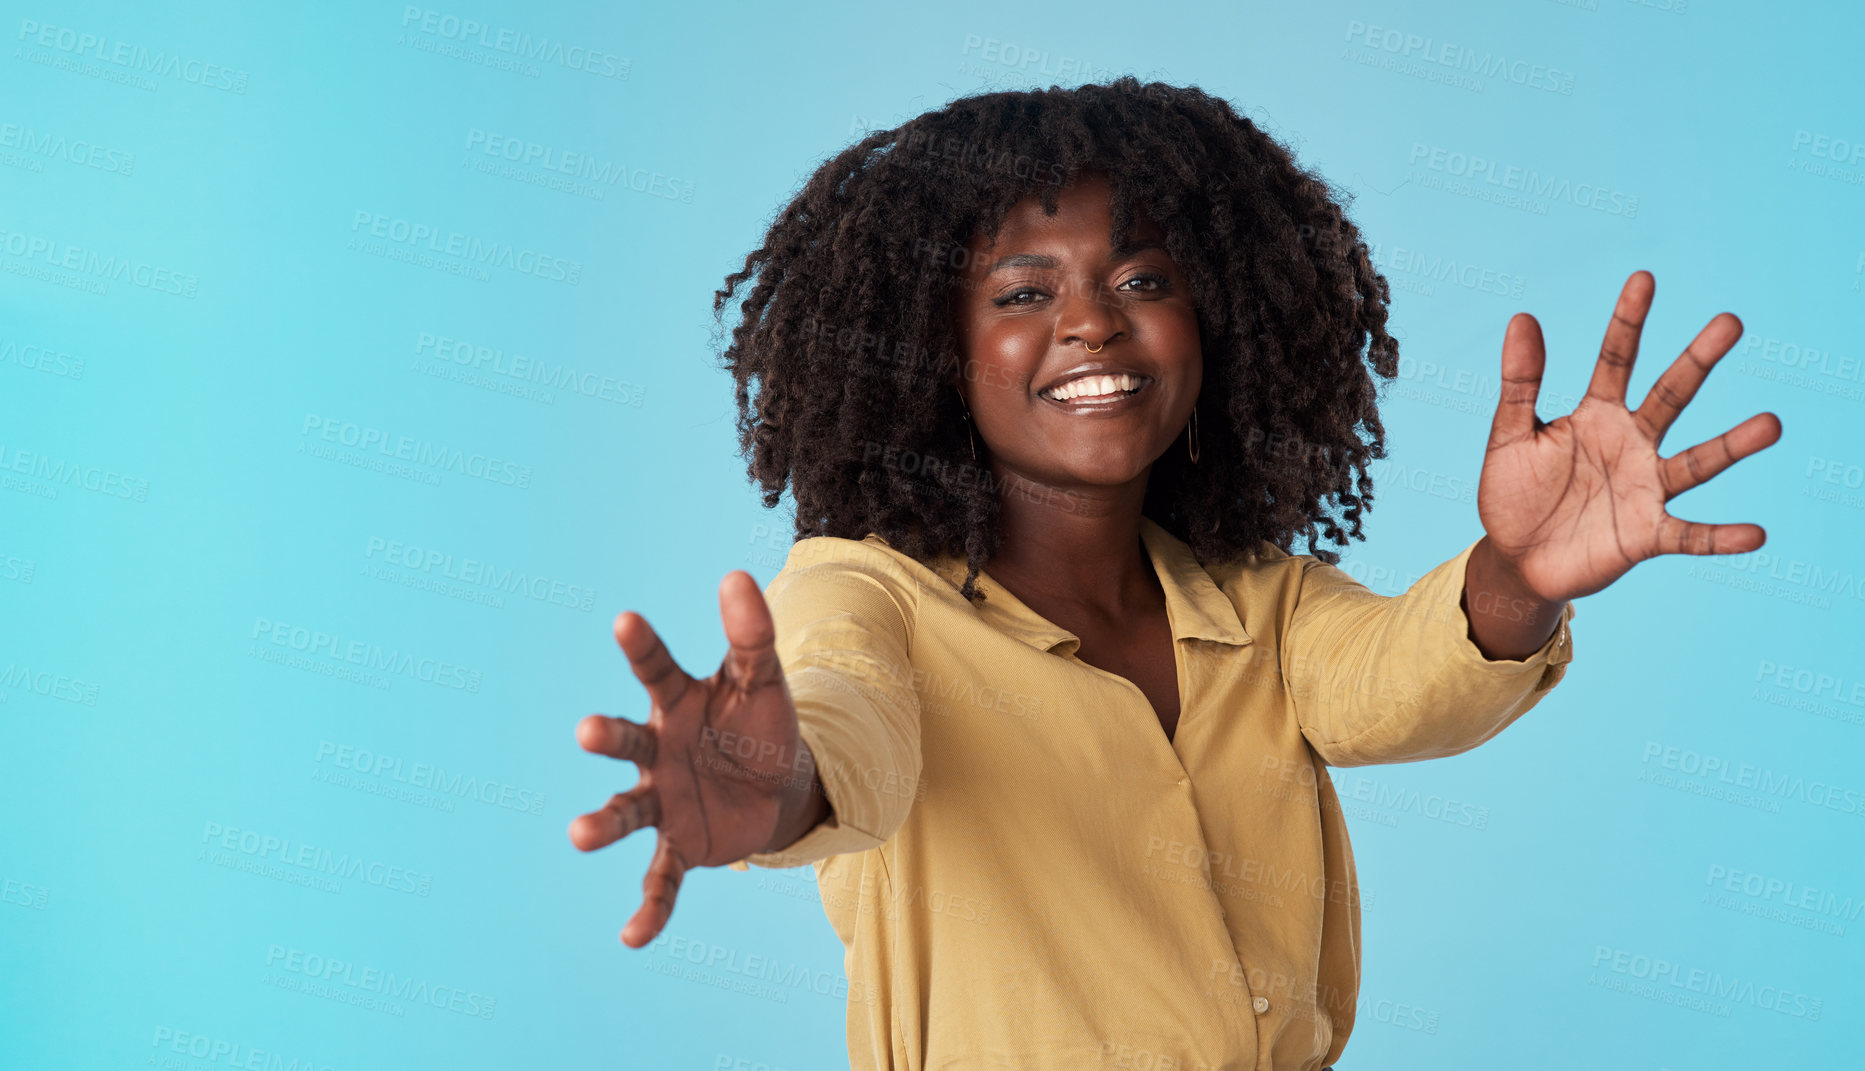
(824, 721)
(1548, 661)
(1450, 698)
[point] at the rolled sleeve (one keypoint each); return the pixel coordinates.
(843, 636)
(1396, 678)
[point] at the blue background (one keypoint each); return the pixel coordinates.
(164, 770)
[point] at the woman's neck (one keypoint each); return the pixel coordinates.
(1078, 547)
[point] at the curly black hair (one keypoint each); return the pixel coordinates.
(847, 335)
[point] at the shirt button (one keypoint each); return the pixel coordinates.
(1181, 780)
(1261, 1004)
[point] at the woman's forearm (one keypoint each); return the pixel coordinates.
(1507, 620)
(803, 806)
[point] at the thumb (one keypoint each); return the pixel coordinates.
(752, 660)
(1524, 356)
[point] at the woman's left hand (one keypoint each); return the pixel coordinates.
(1571, 505)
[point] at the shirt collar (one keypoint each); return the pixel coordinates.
(1197, 607)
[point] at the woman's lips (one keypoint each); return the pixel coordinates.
(1103, 403)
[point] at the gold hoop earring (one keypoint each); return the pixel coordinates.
(968, 436)
(1103, 346)
(1191, 435)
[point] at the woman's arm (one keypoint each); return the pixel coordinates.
(844, 612)
(1508, 619)
(804, 806)
(1398, 678)
(768, 759)
(1567, 506)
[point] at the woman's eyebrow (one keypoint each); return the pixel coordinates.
(1039, 260)
(1024, 260)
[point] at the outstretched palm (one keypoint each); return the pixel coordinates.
(1574, 503)
(717, 756)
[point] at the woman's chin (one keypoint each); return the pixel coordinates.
(1102, 472)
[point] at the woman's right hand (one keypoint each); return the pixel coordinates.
(724, 773)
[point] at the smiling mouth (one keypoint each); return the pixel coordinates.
(1089, 392)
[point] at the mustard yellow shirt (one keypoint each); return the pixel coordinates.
(1026, 874)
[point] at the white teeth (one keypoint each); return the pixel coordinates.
(1094, 387)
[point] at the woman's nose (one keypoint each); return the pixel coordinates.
(1089, 313)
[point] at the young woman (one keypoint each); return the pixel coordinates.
(1056, 378)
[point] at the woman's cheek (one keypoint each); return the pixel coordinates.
(991, 376)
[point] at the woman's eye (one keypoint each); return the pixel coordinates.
(1025, 295)
(1158, 282)
(1012, 297)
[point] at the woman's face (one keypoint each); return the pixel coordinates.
(1029, 308)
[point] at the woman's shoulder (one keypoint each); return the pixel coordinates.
(825, 560)
(1267, 566)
